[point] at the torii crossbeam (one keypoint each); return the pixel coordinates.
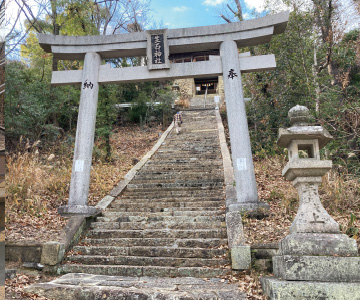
(157, 45)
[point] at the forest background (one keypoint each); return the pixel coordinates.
(318, 64)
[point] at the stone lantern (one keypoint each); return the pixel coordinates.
(315, 261)
(305, 170)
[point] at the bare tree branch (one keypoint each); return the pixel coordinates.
(225, 18)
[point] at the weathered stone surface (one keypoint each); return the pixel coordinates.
(277, 289)
(299, 115)
(311, 216)
(303, 132)
(170, 232)
(235, 229)
(264, 252)
(316, 261)
(240, 257)
(52, 253)
(251, 209)
(304, 167)
(10, 273)
(317, 268)
(193, 39)
(240, 253)
(20, 251)
(105, 202)
(84, 141)
(318, 244)
(246, 189)
(87, 286)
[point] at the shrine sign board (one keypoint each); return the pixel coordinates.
(157, 49)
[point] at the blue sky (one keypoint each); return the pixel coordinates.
(190, 13)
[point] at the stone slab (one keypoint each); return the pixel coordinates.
(87, 286)
(235, 229)
(105, 202)
(306, 167)
(24, 252)
(318, 244)
(240, 257)
(317, 268)
(141, 73)
(303, 133)
(277, 289)
(52, 253)
(77, 210)
(251, 209)
(249, 33)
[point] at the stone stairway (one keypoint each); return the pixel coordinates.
(200, 102)
(169, 222)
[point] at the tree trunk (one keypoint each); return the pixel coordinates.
(56, 31)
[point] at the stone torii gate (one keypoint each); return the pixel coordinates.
(157, 45)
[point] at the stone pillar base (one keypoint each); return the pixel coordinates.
(240, 257)
(317, 268)
(311, 244)
(78, 210)
(310, 290)
(252, 209)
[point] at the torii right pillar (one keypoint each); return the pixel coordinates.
(246, 198)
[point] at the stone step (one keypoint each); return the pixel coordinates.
(174, 173)
(185, 163)
(176, 184)
(208, 138)
(178, 180)
(111, 217)
(150, 251)
(159, 233)
(155, 225)
(169, 204)
(177, 177)
(189, 149)
(146, 261)
(173, 169)
(182, 156)
(171, 210)
(170, 242)
(193, 193)
(141, 199)
(202, 163)
(158, 271)
(108, 213)
(87, 286)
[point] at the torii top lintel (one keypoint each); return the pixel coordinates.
(246, 33)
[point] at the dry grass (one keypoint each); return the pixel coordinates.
(339, 195)
(39, 186)
(37, 183)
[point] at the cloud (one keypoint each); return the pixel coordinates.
(213, 2)
(180, 8)
(258, 5)
(246, 16)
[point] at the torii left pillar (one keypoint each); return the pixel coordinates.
(84, 141)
